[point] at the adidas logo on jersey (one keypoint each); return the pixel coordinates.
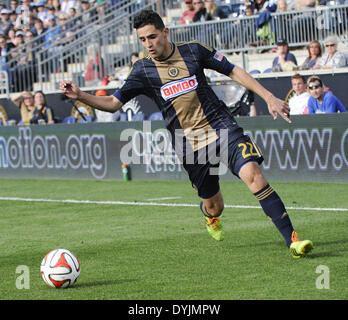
(178, 87)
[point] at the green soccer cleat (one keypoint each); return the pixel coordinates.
(299, 248)
(215, 228)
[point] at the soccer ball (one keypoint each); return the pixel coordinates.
(60, 268)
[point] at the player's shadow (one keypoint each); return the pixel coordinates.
(321, 245)
(102, 283)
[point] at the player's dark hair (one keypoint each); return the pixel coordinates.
(314, 79)
(146, 17)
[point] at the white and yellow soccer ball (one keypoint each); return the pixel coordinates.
(60, 268)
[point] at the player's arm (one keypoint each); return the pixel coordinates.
(275, 106)
(104, 103)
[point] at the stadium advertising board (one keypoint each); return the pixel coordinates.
(312, 148)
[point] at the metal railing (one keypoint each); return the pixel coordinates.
(107, 41)
(241, 34)
(74, 44)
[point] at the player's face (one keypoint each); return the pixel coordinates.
(298, 86)
(155, 41)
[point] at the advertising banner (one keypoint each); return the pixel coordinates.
(311, 148)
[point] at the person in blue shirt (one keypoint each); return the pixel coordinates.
(285, 61)
(321, 101)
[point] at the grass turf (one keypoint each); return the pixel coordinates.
(158, 252)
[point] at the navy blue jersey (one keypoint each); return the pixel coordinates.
(180, 89)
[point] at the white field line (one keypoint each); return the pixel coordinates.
(163, 198)
(158, 204)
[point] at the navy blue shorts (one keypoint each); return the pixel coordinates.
(204, 177)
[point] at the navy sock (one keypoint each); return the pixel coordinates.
(204, 210)
(274, 208)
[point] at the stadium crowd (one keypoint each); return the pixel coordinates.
(23, 20)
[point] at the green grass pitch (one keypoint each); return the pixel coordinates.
(130, 251)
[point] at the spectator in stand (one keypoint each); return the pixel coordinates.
(65, 5)
(73, 14)
(56, 5)
(246, 8)
(304, 4)
(25, 102)
(11, 36)
(264, 8)
(6, 23)
(87, 16)
(51, 11)
(322, 101)
(94, 71)
(42, 113)
(282, 6)
(30, 47)
(298, 103)
(53, 32)
(5, 48)
(42, 12)
(314, 55)
(49, 3)
(19, 40)
(282, 23)
(25, 6)
(14, 5)
(214, 11)
(241, 31)
(13, 17)
(207, 11)
(285, 61)
(22, 20)
(64, 26)
(39, 29)
(331, 58)
(188, 14)
(200, 10)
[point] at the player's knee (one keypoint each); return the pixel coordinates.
(253, 177)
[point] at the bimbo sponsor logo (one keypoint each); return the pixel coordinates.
(179, 87)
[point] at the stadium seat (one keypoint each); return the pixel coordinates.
(254, 71)
(69, 119)
(156, 116)
(268, 70)
(138, 117)
(87, 119)
(346, 54)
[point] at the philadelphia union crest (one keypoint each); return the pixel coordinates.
(173, 72)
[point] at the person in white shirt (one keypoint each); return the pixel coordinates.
(331, 58)
(299, 102)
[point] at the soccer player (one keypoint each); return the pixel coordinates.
(172, 75)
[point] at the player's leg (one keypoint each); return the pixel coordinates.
(270, 202)
(208, 189)
(273, 207)
(212, 206)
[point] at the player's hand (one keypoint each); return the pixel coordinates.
(70, 89)
(277, 106)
